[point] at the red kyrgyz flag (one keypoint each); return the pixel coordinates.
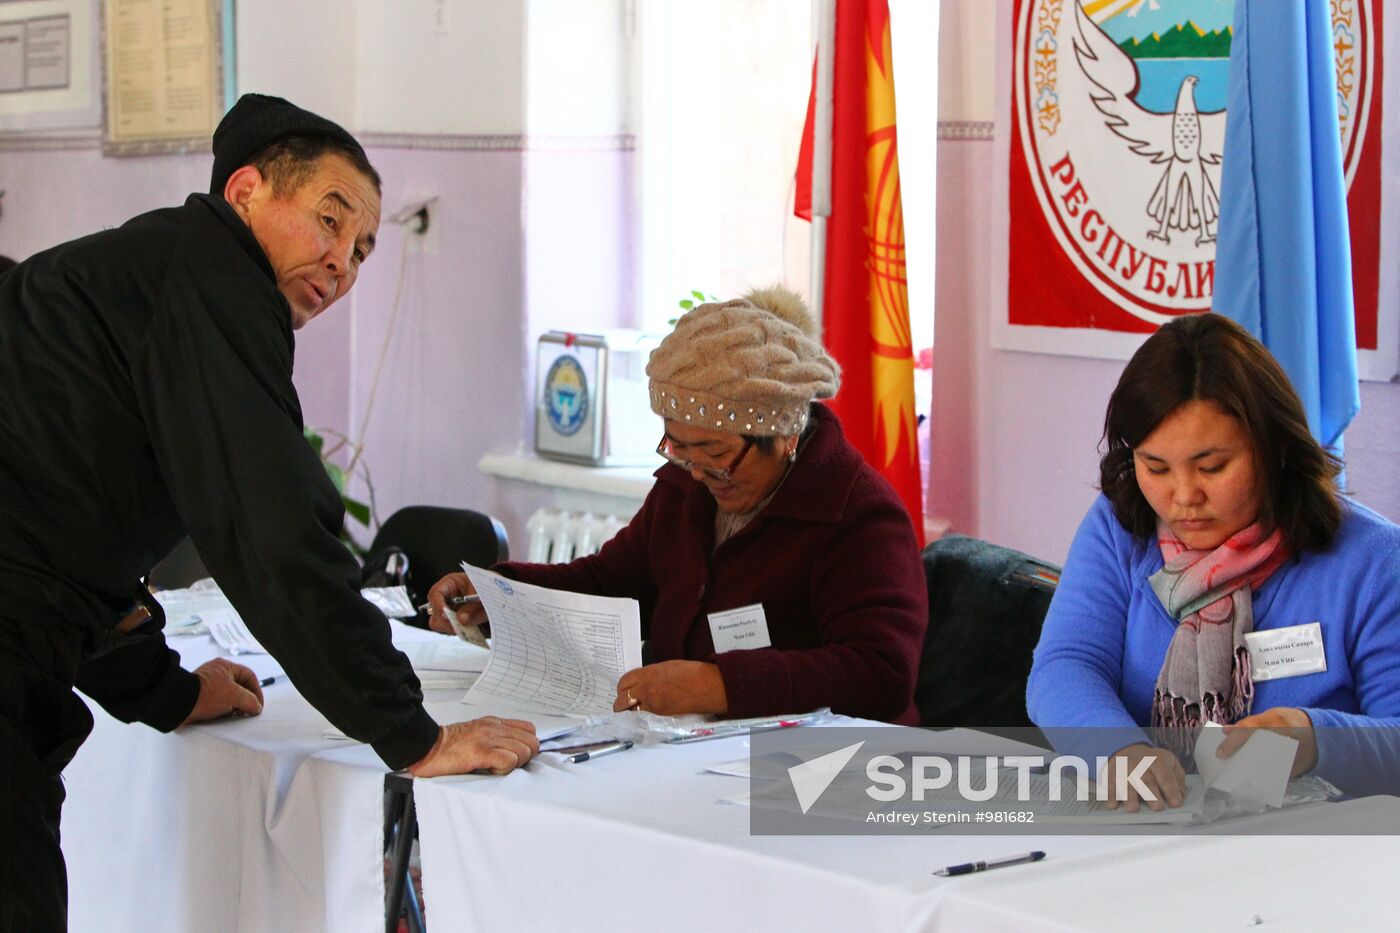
(865, 311)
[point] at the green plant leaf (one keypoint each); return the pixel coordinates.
(357, 510)
(316, 441)
(686, 304)
(698, 296)
(336, 474)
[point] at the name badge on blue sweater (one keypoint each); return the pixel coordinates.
(1286, 652)
(735, 629)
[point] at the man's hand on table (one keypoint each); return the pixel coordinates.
(225, 688)
(485, 744)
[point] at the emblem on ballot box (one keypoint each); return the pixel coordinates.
(566, 395)
(591, 402)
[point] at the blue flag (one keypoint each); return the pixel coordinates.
(1283, 261)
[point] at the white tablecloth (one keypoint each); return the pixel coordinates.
(639, 841)
(259, 824)
(264, 824)
(1211, 882)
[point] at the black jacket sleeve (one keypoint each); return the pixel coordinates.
(141, 682)
(213, 380)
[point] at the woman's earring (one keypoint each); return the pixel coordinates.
(792, 455)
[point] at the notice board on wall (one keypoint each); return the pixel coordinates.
(164, 72)
(50, 76)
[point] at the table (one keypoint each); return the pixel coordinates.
(254, 824)
(265, 824)
(258, 824)
(637, 840)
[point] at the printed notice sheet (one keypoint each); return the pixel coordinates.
(163, 61)
(552, 651)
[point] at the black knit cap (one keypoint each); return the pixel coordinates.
(257, 121)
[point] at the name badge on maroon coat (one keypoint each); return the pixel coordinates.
(739, 629)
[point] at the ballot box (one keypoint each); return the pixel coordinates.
(591, 402)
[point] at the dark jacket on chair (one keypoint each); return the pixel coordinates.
(986, 604)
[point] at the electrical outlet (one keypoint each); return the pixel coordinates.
(421, 221)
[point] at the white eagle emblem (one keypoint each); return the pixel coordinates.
(1186, 140)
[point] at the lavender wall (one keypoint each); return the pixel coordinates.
(529, 241)
(55, 195)
(450, 387)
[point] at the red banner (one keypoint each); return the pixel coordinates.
(865, 311)
(1116, 138)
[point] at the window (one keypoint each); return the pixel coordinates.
(722, 95)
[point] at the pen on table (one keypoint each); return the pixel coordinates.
(968, 868)
(454, 602)
(268, 681)
(599, 752)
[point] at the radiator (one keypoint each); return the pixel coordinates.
(557, 537)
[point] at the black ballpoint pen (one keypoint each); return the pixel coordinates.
(968, 868)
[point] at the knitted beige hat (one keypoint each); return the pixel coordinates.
(748, 366)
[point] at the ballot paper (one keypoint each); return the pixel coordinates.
(552, 651)
(1256, 774)
(228, 631)
(185, 608)
(739, 767)
(445, 662)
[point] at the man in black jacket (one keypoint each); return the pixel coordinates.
(145, 393)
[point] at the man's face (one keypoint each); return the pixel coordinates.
(316, 237)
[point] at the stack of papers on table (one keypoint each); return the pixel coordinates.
(445, 662)
(553, 652)
(185, 608)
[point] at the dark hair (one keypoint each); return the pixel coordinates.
(1207, 357)
(289, 162)
(6, 263)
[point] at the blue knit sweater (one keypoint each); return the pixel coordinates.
(1106, 635)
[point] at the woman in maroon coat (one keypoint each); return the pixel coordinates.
(763, 507)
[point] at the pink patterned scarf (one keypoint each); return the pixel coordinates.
(1205, 676)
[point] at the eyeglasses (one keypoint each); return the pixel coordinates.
(720, 475)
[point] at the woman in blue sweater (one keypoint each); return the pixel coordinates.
(1221, 577)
